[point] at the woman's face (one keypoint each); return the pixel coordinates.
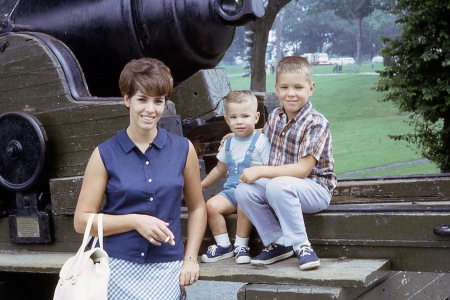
(145, 111)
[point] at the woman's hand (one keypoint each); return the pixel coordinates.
(190, 272)
(154, 230)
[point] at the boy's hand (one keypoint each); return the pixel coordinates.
(250, 175)
(222, 141)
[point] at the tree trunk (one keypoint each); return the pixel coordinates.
(258, 66)
(261, 28)
(359, 41)
(279, 31)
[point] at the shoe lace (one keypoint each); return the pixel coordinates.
(241, 249)
(212, 249)
(269, 248)
(305, 250)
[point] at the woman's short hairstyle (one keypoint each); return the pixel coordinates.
(147, 75)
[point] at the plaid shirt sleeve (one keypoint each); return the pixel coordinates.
(314, 139)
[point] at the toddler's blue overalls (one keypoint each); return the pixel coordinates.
(235, 169)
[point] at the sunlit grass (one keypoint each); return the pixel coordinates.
(361, 123)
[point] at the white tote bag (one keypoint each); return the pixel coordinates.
(85, 276)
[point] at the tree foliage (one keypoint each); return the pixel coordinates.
(417, 79)
(355, 10)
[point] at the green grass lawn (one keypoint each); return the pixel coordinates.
(360, 122)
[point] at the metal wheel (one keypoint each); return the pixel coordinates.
(22, 150)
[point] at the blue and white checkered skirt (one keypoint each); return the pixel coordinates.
(155, 281)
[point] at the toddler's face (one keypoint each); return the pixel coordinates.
(293, 91)
(241, 118)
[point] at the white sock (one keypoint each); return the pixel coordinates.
(279, 241)
(222, 240)
(299, 245)
(242, 242)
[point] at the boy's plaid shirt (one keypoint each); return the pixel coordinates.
(308, 133)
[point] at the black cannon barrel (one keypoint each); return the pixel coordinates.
(188, 35)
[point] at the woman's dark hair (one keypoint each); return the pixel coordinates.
(147, 75)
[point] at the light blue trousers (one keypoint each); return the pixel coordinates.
(276, 206)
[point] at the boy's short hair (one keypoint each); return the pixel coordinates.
(147, 75)
(295, 64)
(239, 97)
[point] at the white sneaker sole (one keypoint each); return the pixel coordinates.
(243, 260)
(272, 260)
(310, 265)
(206, 259)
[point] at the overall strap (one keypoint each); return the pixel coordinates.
(253, 143)
(227, 144)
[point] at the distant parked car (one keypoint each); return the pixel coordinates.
(347, 60)
(317, 58)
(342, 61)
(377, 59)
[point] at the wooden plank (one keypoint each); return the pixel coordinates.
(64, 237)
(33, 81)
(413, 286)
(430, 187)
(27, 67)
(64, 194)
(392, 225)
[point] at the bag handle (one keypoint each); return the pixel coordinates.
(87, 233)
(100, 229)
(99, 236)
(74, 268)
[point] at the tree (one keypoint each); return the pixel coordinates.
(261, 28)
(307, 32)
(380, 24)
(350, 10)
(417, 80)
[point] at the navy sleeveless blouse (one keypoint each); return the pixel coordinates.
(150, 184)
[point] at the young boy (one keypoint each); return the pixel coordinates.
(247, 147)
(299, 178)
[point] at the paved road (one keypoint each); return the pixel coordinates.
(213, 290)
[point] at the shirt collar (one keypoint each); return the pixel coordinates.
(303, 111)
(127, 144)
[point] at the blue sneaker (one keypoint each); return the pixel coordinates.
(216, 253)
(242, 255)
(307, 258)
(271, 254)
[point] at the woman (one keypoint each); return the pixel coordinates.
(144, 171)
